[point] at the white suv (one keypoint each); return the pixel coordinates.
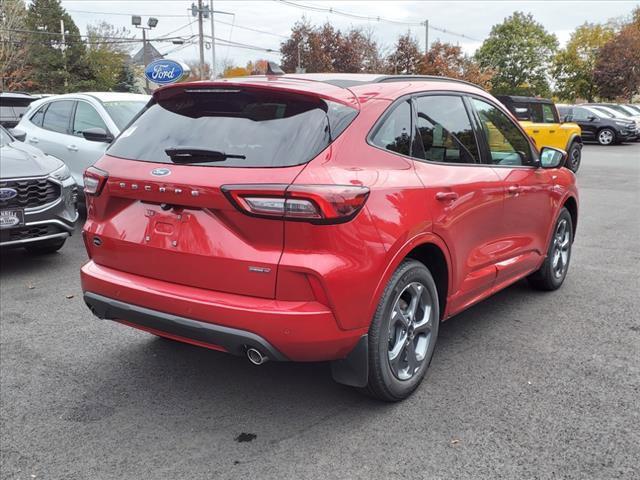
(78, 127)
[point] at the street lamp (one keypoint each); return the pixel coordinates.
(152, 22)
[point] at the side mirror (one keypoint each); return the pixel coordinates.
(97, 134)
(552, 157)
(593, 118)
(18, 134)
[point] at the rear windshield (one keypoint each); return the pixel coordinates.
(249, 128)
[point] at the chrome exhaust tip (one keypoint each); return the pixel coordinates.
(256, 357)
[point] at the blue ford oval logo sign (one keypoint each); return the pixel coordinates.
(160, 172)
(165, 71)
(7, 194)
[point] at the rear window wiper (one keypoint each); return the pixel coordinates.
(198, 155)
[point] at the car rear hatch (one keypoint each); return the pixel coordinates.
(160, 209)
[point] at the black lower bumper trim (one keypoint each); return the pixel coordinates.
(233, 340)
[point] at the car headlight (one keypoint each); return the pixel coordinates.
(622, 124)
(61, 174)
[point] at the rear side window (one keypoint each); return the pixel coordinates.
(395, 131)
(232, 127)
(445, 130)
(37, 117)
(543, 113)
(507, 144)
(58, 116)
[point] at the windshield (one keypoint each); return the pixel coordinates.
(599, 113)
(5, 138)
(123, 111)
(239, 127)
(612, 113)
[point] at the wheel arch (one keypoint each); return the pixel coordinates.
(430, 250)
(574, 137)
(571, 204)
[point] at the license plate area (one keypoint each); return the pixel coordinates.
(11, 218)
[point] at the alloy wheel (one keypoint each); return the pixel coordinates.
(410, 330)
(561, 249)
(605, 137)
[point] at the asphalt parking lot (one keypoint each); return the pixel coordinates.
(523, 385)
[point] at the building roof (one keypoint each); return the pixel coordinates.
(152, 54)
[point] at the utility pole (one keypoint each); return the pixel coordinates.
(426, 37)
(213, 42)
(201, 39)
(63, 48)
(144, 56)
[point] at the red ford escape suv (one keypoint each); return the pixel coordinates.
(322, 217)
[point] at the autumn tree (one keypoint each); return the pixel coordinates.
(520, 51)
(406, 56)
(194, 67)
(14, 48)
(106, 56)
(326, 49)
(447, 60)
(574, 66)
(617, 70)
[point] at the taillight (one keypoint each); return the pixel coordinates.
(320, 204)
(94, 180)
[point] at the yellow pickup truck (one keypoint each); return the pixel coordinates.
(540, 119)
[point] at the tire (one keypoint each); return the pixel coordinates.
(46, 246)
(606, 136)
(574, 156)
(553, 271)
(411, 336)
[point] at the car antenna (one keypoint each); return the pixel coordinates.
(274, 69)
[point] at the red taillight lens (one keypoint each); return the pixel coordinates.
(320, 204)
(94, 180)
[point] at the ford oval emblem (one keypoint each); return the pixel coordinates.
(160, 172)
(166, 71)
(7, 194)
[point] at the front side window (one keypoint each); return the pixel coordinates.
(57, 116)
(445, 130)
(395, 132)
(86, 117)
(507, 144)
(582, 114)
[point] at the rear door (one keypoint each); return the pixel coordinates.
(465, 195)
(55, 135)
(168, 218)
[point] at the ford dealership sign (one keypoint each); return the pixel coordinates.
(165, 71)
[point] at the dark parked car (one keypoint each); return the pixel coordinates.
(12, 106)
(597, 125)
(38, 198)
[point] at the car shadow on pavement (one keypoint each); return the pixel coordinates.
(215, 387)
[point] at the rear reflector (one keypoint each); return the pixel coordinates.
(319, 204)
(94, 180)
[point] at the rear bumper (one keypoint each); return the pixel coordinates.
(284, 330)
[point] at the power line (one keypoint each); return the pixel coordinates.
(373, 19)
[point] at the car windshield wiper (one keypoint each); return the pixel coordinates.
(198, 155)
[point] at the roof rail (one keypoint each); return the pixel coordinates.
(407, 78)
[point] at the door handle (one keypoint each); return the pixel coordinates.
(33, 140)
(552, 131)
(514, 189)
(536, 131)
(72, 148)
(446, 196)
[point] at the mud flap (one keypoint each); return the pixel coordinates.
(354, 369)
